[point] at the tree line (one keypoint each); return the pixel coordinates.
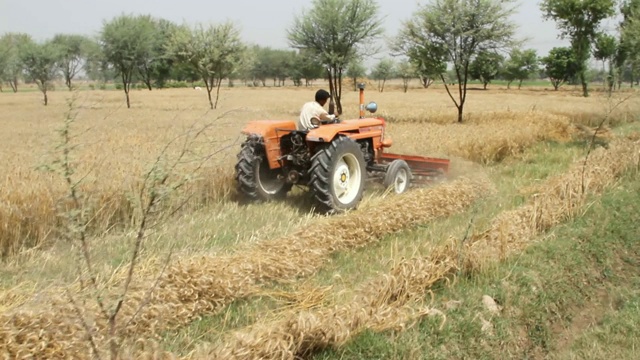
(452, 41)
(152, 52)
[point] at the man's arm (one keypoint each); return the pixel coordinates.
(326, 117)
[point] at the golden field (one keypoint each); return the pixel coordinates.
(223, 252)
(113, 146)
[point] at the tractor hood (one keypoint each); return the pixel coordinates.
(326, 133)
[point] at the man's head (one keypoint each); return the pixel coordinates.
(322, 96)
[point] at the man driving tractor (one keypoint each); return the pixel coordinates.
(315, 109)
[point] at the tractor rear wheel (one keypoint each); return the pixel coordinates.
(254, 178)
(338, 175)
(398, 176)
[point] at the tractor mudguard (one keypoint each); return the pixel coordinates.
(355, 129)
(270, 131)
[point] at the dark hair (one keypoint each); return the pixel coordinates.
(322, 95)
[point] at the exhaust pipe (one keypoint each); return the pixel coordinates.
(362, 109)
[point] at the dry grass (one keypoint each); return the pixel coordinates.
(115, 145)
(395, 300)
(489, 139)
(120, 144)
(199, 286)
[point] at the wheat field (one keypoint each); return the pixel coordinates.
(201, 224)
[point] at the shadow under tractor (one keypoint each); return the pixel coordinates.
(333, 160)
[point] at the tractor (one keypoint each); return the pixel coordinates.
(333, 160)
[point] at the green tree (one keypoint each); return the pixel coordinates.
(522, 64)
(96, 65)
(282, 62)
(382, 71)
(355, 70)
(605, 50)
(215, 53)
(485, 67)
(155, 65)
(627, 55)
(10, 49)
(306, 67)
(428, 71)
(40, 64)
(272, 64)
(73, 51)
(579, 20)
(311, 68)
(127, 43)
(260, 70)
(455, 31)
(406, 71)
(561, 66)
(335, 32)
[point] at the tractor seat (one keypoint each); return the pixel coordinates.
(387, 142)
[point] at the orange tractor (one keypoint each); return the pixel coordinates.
(333, 160)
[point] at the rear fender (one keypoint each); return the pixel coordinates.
(270, 131)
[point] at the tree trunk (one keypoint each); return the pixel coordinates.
(215, 106)
(460, 112)
(334, 76)
(14, 85)
(520, 84)
(126, 83)
(485, 85)
(46, 99)
(585, 86)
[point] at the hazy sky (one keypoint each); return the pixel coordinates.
(262, 22)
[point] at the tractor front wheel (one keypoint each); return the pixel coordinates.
(338, 175)
(255, 180)
(398, 176)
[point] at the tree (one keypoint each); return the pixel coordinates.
(560, 66)
(96, 65)
(627, 55)
(127, 43)
(305, 67)
(406, 71)
(579, 20)
(605, 50)
(426, 70)
(214, 52)
(10, 48)
(281, 64)
(455, 31)
(355, 70)
(40, 64)
(155, 65)
(335, 32)
(522, 64)
(485, 67)
(73, 51)
(382, 71)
